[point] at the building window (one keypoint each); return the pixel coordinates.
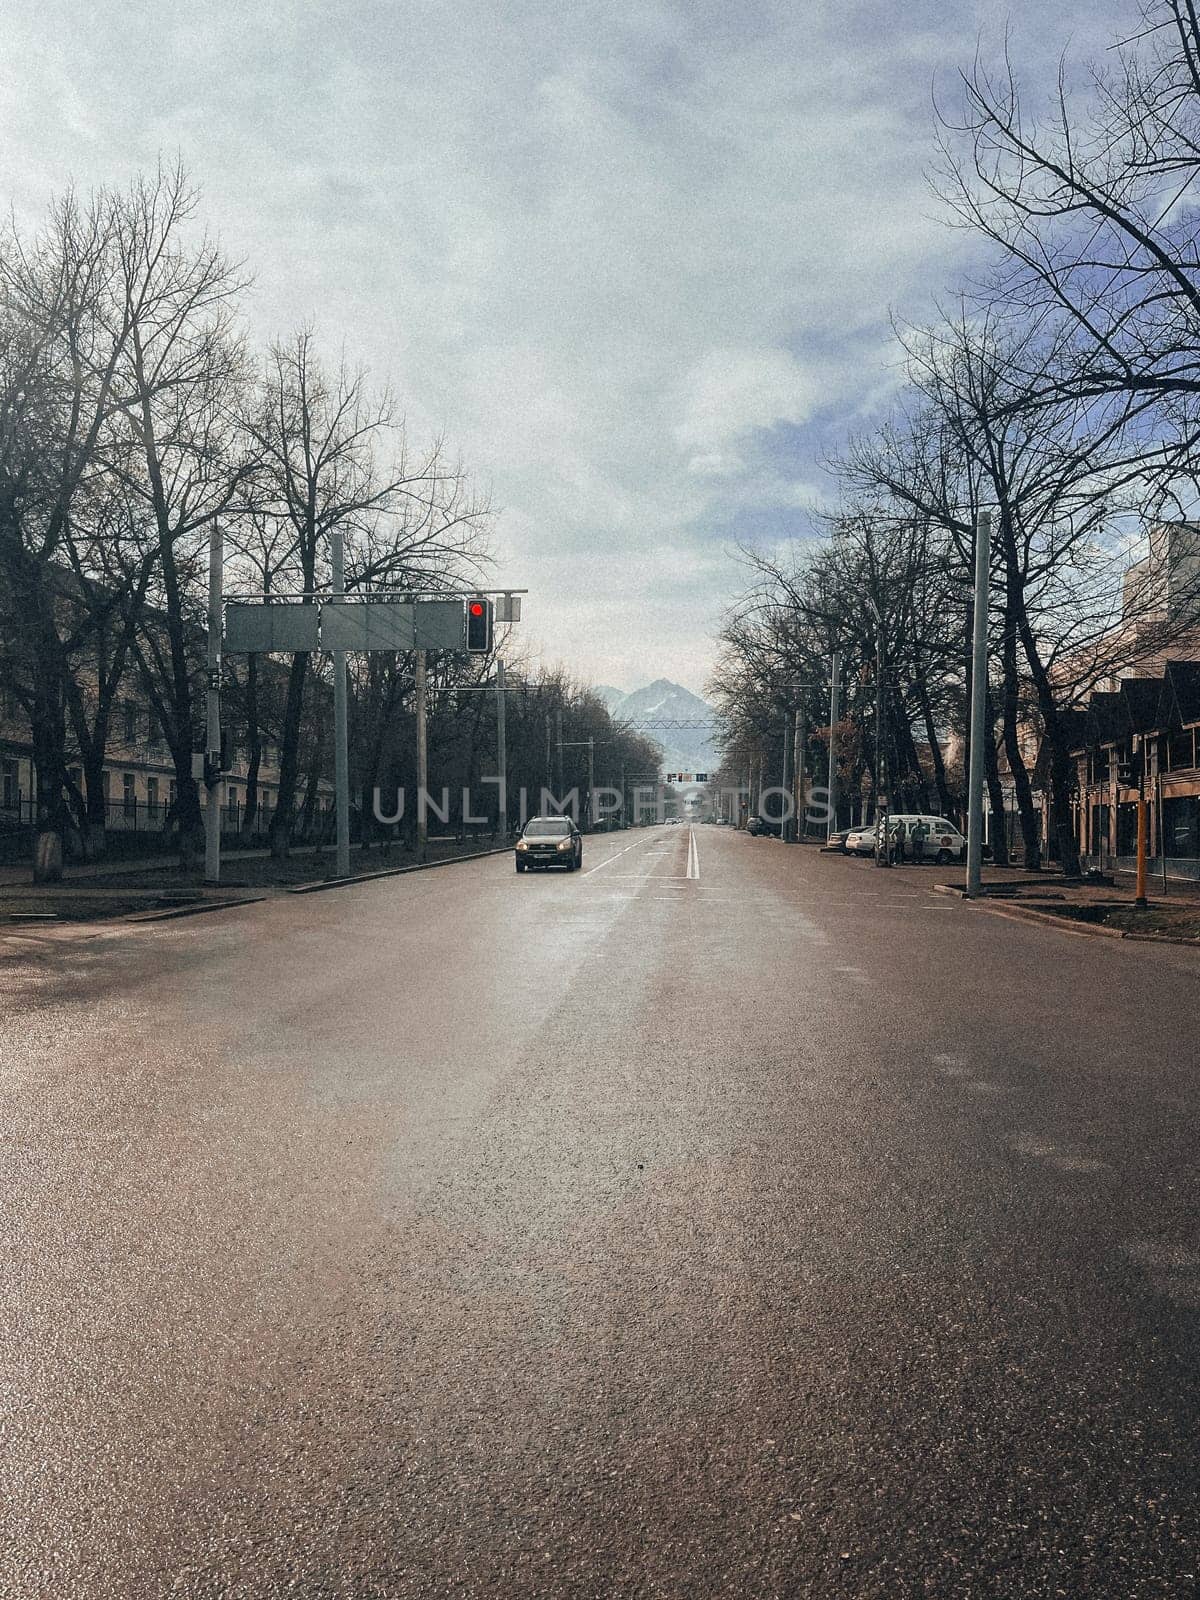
(131, 721)
(129, 794)
(1181, 751)
(10, 785)
(152, 793)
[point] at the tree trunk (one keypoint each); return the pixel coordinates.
(51, 815)
(1060, 755)
(935, 750)
(991, 767)
(289, 758)
(254, 738)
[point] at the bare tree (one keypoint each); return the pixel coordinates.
(335, 456)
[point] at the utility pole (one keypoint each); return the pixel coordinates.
(591, 805)
(983, 554)
(501, 749)
(549, 764)
(1140, 897)
(341, 736)
(559, 742)
(834, 714)
(786, 828)
(883, 854)
(798, 743)
(422, 760)
(214, 783)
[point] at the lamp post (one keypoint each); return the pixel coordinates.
(341, 752)
(983, 551)
(834, 689)
(883, 855)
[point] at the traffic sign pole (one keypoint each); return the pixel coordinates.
(213, 781)
(341, 732)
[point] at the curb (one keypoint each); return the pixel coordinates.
(393, 872)
(192, 911)
(1067, 924)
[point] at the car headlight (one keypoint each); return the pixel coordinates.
(566, 844)
(522, 844)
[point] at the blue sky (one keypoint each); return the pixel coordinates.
(635, 261)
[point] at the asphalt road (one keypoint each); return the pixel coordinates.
(777, 1230)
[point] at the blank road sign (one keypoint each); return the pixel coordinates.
(392, 625)
(269, 628)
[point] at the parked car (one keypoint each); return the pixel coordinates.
(860, 841)
(837, 841)
(549, 842)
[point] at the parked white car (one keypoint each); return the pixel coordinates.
(861, 841)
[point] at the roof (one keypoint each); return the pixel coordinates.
(1141, 696)
(1108, 718)
(1180, 698)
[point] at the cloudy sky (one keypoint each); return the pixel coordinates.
(634, 259)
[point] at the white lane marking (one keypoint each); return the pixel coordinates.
(693, 860)
(617, 853)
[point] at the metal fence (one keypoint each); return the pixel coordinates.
(137, 827)
(1184, 869)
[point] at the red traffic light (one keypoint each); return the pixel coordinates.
(479, 626)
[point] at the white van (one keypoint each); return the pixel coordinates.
(943, 842)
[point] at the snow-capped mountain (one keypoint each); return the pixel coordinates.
(652, 710)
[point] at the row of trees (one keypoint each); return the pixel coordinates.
(134, 412)
(1058, 390)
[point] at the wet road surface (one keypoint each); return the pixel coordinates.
(723, 1220)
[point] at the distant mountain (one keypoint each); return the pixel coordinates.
(611, 697)
(652, 711)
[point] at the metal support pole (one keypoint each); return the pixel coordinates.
(1162, 838)
(883, 850)
(422, 759)
(549, 762)
(798, 743)
(834, 716)
(341, 731)
(501, 749)
(785, 826)
(979, 675)
(214, 783)
(1139, 899)
(558, 766)
(591, 800)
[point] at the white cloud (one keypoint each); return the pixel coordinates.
(731, 392)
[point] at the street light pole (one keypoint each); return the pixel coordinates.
(422, 758)
(983, 552)
(213, 781)
(883, 856)
(834, 711)
(1140, 896)
(785, 827)
(341, 745)
(501, 749)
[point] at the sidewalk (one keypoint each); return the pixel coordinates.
(1088, 905)
(160, 886)
(21, 876)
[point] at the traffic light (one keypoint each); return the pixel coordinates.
(479, 626)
